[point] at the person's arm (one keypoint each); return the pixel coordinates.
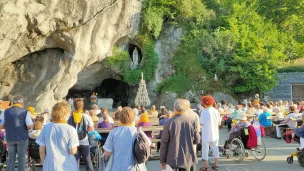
(202, 120)
(165, 139)
(73, 141)
(42, 150)
(29, 121)
(219, 119)
(90, 123)
(73, 150)
(109, 146)
(197, 137)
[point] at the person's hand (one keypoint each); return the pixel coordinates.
(41, 162)
(163, 166)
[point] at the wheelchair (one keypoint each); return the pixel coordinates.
(299, 153)
(33, 156)
(236, 148)
(96, 155)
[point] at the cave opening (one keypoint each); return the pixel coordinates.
(114, 89)
(109, 88)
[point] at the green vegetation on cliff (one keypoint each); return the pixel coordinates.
(244, 43)
(240, 41)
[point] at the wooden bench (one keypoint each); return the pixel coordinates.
(226, 113)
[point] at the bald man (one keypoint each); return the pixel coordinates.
(178, 139)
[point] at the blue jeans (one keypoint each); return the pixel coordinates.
(20, 148)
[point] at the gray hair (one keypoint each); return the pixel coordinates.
(187, 102)
(18, 99)
(180, 105)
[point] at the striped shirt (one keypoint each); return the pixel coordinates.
(59, 139)
(120, 143)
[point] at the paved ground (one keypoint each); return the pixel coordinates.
(277, 152)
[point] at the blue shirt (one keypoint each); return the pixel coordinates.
(263, 119)
(120, 143)
(59, 139)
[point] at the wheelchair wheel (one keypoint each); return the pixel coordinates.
(289, 160)
(259, 153)
(238, 151)
(97, 156)
(301, 159)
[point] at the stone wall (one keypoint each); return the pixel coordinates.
(283, 91)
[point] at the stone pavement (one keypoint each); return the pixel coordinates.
(277, 152)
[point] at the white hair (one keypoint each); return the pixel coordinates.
(180, 105)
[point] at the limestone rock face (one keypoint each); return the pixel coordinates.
(44, 44)
(166, 48)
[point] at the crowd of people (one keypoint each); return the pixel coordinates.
(67, 133)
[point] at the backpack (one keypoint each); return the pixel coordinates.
(82, 128)
(141, 147)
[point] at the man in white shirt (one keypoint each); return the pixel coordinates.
(210, 121)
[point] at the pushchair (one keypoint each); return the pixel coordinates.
(237, 148)
(33, 155)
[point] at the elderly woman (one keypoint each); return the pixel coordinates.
(104, 112)
(288, 121)
(38, 124)
(144, 120)
(105, 123)
(117, 112)
(58, 142)
(279, 117)
(265, 118)
(93, 116)
(210, 121)
(153, 113)
(120, 143)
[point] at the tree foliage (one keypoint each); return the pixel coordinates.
(243, 42)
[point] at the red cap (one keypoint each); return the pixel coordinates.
(208, 100)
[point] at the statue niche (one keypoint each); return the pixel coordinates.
(135, 59)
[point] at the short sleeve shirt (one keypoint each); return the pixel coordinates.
(120, 143)
(28, 119)
(210, 119)
(59, 139)
(291, 123)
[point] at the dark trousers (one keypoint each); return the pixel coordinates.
(84, 152)
(229, 121)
